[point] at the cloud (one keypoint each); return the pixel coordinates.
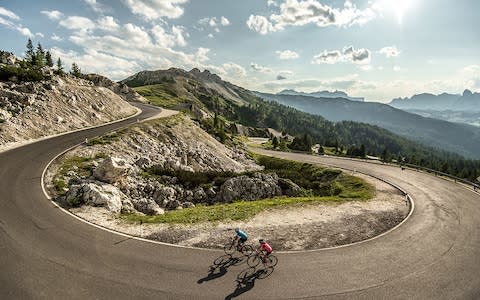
(287, 54)
(169, 40)
(260, 24)
(56, 38)
(53, 14)
(303, 12)
(391, 51)
(39, 34)
(224, 21)
(272, 3)
(18, 27)
(155, 9)
(9, 14)
(95, 6)
(348, 54)
(261, 69)
(80, 24)
(283, 75)
(397, 69)
(108, 23)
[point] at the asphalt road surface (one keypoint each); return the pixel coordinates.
(47, 254)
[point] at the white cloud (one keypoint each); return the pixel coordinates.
(348, 54)
(8, 13)
(224, 21)
(56, 38)
(287, 54)
(397, 69)
(39, 34)
(303, 12)
(283, 75)
(390, 51)
(18, 27)
(260, 24)
(108, 23)
(272, 3)
(168, 40)
(210, 35)
(53, 14)
(96, 7)
(155, 9)
(366, 68)
(80, 24)
(261, 69)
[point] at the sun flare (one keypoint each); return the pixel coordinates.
(398, 7)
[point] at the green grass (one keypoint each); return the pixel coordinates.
(320, 185)
(103, 140)
(82, 166)
(159, 95)
(236, 211)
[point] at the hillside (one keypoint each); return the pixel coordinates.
(459, 138)
(193, 93)
(39, 100)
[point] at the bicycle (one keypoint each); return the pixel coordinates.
(268, 260)
(234, 245)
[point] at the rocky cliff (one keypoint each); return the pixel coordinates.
(31, 110)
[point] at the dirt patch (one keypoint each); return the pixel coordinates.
(294, 228)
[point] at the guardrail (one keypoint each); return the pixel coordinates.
(436, 173)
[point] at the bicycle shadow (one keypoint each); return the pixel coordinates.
(220, 266)
(246, 280)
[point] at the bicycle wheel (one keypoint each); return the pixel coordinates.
(271, 260)
(253, 260)
(229, 248)
(247, 250)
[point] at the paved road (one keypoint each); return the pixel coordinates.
(46, 254)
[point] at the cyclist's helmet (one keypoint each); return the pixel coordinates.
(237, 229)
(262, 241)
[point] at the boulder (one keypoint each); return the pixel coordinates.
(111, 170)
(147, 206)
(258, 186)
(289, 188)
(163, 195)
(104, 195)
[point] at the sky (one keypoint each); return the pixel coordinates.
(377, 49)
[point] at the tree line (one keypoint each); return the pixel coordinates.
(35, 59)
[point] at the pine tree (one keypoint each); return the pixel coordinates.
(48, 59)
(30, 54)
(40, 55)
(59, 70)
(76, 70)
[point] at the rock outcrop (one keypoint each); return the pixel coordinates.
(32, 110)
(112, 170)
(258, 186)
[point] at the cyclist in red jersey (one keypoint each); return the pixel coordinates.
(265, 248)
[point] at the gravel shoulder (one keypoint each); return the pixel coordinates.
(305, 227)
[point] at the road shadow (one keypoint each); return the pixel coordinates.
(246, 280)
(220, 266)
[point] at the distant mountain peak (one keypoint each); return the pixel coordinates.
(321, 94)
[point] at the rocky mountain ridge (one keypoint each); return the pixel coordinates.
(322, 94)
(468, 101)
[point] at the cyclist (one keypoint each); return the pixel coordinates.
(241, 238)
(265, 249)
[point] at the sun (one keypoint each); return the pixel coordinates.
(398, 7)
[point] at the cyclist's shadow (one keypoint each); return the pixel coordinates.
(220, 266)
(246, 280)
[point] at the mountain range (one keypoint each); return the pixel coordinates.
(468, 101)
(459, 138)
(322, 94)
